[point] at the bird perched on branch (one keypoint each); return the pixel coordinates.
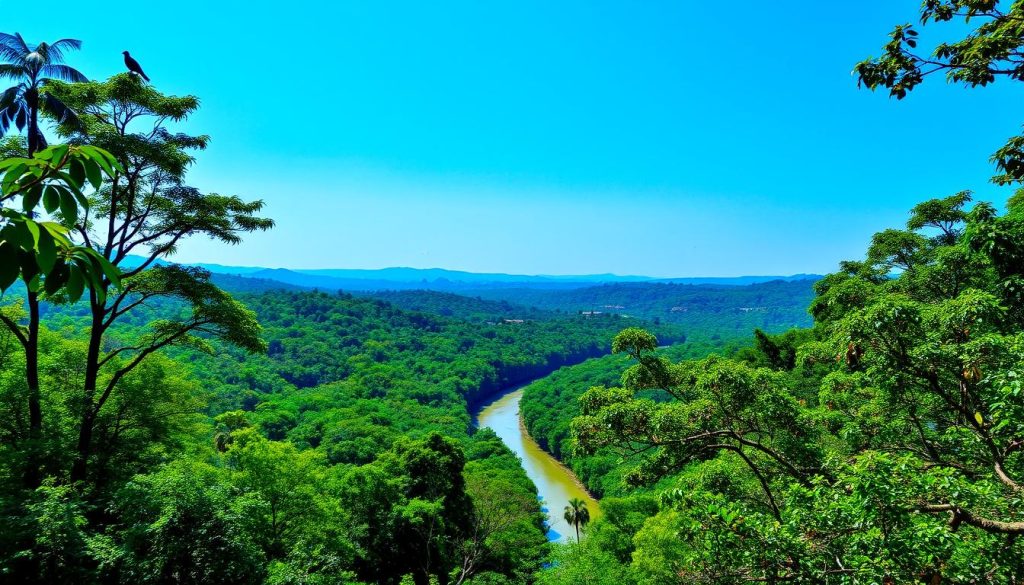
(134, 66)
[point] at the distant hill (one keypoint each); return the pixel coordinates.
(456, 281)
(462, 307)
(718, 308)
(773, 306)
(419, 275)
(241, 284)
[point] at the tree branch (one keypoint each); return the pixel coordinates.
(16, 330)
(960, 516)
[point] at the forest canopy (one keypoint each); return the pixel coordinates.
(160, 424)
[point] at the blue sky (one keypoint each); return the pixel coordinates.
(658, 138)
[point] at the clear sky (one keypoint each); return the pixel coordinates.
(665, 138)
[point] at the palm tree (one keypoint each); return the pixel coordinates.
(576, 513)
(31, 67)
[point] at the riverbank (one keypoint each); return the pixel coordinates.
(556, 483)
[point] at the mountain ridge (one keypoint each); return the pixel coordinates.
(442, 279)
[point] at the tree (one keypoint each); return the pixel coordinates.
(991, 50)
(410, 510)
(503, 527)
(904, 462)
(42, 255)
(584, 564)
(147, 209)
(184, 524)
(717, 405)
(33, 67)
(577, 515)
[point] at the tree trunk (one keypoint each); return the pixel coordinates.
(33, 464)
(33, 468)
(32, 97)
(80, 468)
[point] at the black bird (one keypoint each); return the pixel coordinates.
(134, 66)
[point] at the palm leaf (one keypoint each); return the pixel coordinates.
(11, 71)
(10, 105)
(7, 114)
(10, 96)
(15, 42)
(59, 110)
(12, 108)
(57, 49)
(10, 111)
(10, 50)
(62, 72)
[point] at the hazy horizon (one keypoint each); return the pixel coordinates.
(446, 269)
(539, 138)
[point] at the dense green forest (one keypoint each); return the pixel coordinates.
(719, 312)
(160, 424)
(463, 307)
(157, 429)
(883, 444)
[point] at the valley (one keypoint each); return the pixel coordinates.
(511, 294)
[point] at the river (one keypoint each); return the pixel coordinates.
(555, 483)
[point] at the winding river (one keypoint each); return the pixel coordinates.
(555, 483)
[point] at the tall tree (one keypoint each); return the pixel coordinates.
(42, 254)
(577, 515)
(146, 210)
(33, 67)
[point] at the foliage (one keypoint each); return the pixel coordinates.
(41, 252)
(708, 313)
(990, 50)
(882, 445)
(35, 67)
(550, 403)
(577, 515)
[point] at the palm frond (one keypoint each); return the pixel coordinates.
(9, 55)
(12, 110)
(8, 71)
(7, 115)
(15, 42)
(59, 110)
(10, 50)
(10, 96)
(62, 72)
(57, 48)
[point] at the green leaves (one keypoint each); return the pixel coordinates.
(634, 341)
(61, 167)
(41, 251)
